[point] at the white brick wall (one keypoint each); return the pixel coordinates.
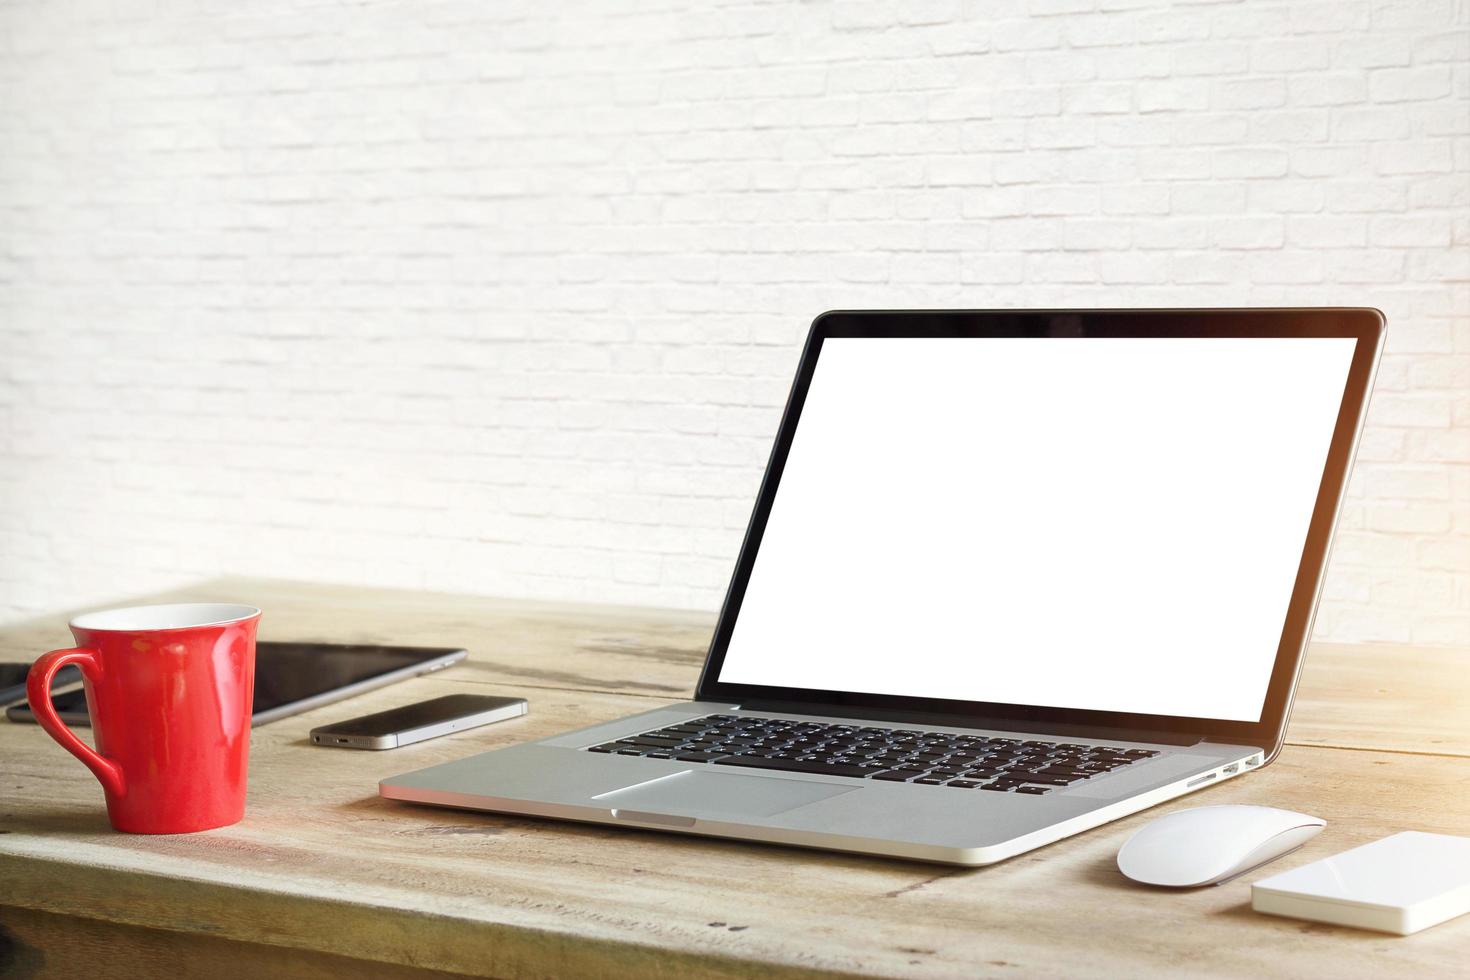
(505, 297)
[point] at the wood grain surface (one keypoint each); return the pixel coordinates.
(321, 865)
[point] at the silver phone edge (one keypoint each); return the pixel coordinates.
(463, 723)
(412, 736)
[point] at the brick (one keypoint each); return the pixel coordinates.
(1410, 231)
(1414, 157)
(1213, 58)
(1379, 445)
(1452, 46)
(1411, 410)
(1375, 123)
(1406, 483)
(1213, 197)
(1327, 231)
(1251, 232)
(1373, 51)
(1028, 34)
(1250, 93)
(1356, 196)
(1289, 126)
(1327, 88)
(1409, 518)
(1250, 162)
(1450, 553)
(1401, 15)
(1296, 267)
(1290, 55)
(1288, 196)
(1172, 95)
(1417, 84)
(1440, 630)
(1133, 267)
(1097, 98)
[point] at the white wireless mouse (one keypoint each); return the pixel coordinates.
(1210, 844)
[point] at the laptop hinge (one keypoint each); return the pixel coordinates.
(970, 721)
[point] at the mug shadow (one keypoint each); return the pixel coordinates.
(78, 821)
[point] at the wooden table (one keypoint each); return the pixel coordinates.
(324, 879)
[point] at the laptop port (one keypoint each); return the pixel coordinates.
(1231, 769)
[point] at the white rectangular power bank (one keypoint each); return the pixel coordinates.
(1399, 884)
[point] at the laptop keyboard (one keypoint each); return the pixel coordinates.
(1005, 765)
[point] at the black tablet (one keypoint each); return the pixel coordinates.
(294, 677)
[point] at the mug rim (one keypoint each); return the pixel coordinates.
(143, 618)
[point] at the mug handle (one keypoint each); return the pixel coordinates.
(38, 693)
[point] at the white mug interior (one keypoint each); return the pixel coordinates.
(174, 616)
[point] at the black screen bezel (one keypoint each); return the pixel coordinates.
(1363, 324)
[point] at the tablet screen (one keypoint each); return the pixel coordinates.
(289, 672)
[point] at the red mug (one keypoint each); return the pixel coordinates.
(169, 689)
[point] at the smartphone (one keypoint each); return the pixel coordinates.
(13, 680)
(417, 722)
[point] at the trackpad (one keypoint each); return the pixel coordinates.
(729, 795)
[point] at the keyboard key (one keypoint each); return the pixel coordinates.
(962, 783)
(894, 776)
(930, 780)
(1032, 790)
(696, 756)
(794, 765)
(981, 773)
(609, 747)
(999, 787)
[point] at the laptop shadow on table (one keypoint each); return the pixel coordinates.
(425, 820)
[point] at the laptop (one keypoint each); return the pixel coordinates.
(1010, 576)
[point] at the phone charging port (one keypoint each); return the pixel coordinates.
(342, 741)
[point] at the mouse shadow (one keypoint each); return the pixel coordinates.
(1104, 872)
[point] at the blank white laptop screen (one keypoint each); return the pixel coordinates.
(1103, 523)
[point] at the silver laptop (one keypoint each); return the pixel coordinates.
(1011, 575)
